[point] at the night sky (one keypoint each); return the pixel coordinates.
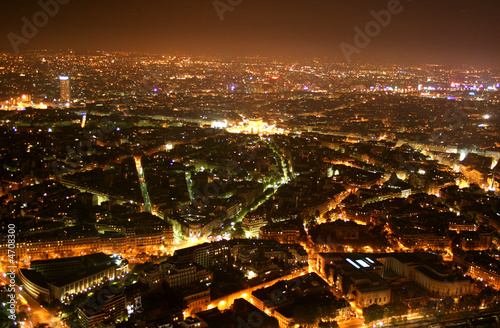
(426, 31)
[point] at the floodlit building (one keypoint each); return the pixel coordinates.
(65, 88)
(62, 278)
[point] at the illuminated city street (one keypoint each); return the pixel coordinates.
(144, 187)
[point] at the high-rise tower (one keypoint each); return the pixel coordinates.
(65, 88)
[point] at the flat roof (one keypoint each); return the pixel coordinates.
(35, 277)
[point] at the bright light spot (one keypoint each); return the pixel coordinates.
(363, 263)
(219, 125)
(251, 274)
(352, 263)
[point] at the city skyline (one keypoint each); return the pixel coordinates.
(418, 32)
(197, 186)
(249, 164)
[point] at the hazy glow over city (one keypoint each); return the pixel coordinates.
(230, 163)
